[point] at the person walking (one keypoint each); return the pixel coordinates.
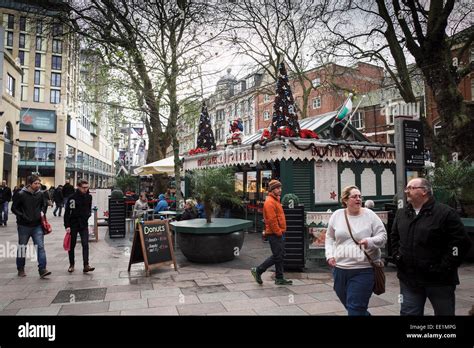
(350, 232)
(429, 243)
(5, 198)
(76, 216)
(275, 227)
(58, 200)
(48, 201)
(28, 205)
(68, 190)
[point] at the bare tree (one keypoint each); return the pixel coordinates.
(399, 31)
(272, 31)
(157, 46)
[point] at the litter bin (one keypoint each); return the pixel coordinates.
(129, 226)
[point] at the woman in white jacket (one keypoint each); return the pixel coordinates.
(353, 274)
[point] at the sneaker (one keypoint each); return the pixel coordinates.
(44, 273)
(70, 269)
(88, 268)
(21, 273)
(283, 281)
(256, 275)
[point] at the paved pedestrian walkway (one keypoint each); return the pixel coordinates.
(195, 289)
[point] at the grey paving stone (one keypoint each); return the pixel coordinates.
(285, 310)
(29, 303)
(84, 308)
(222, 296)
(9, 312)
(50, 310)
(213, 281)
(157, 285)
(250, 286)
(324, 296)
(376, 301)
(322, 307)
(305, 289)
(128, 304)
(128, 288)
(190, 276)
(244, 312)
(173, 300)
(204, 289)
(170, 310)
(268, 292)
(200, 309)
(126, 295)
(252, 303)
(292, 299)
(166, 292)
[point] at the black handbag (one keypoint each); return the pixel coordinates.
(379, 274)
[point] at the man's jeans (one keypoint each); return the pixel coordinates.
(354, 288)
(413, 299)
(24, 234)
(4, 212)
(84, 233)
(277, 245)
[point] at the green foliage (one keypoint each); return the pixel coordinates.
(117, 194)
(126, 182)
(453, 182)
(215, 186)
(286, 199)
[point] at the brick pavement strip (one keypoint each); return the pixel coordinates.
(200, 309)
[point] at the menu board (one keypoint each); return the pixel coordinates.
(153, 245)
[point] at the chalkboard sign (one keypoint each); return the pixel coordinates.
(153, 245)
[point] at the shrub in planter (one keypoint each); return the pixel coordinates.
(117, 193)
(290, 197)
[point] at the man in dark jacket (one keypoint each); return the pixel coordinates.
(428, 244)
(27, 206)
(5, 198)
(76, 216)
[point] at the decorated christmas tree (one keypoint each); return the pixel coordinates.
(285, 120)
(205, 139)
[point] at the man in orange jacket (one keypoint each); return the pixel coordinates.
(275, 227)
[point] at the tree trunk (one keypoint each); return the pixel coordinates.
(208, 210)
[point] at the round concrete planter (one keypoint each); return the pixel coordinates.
(210, 248)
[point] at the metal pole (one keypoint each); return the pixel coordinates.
(129, 137)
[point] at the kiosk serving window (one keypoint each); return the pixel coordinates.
(252, 185)
(265, 177)
(239, 183)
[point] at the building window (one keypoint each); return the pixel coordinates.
(316, 82)
(55, 96)
(57, 46)
(358, 120)
(472, 88)
(11, 21)
(10, 85)
(9, 39)
(266, 115)
(39, 43)
(39, 27)
(37, 95)
(21, 55)
(24, 76)
(37, 77)
(55, 79)
(38, 60)
(391, 138)
(22, 23)
(317, 103)
(56, 63)
(266, 98)
(22, 41)
(37, 151)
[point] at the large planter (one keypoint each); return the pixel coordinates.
(218, 241)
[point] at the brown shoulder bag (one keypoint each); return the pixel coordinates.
(379, 275)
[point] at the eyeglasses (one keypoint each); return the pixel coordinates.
(84, 187)
(356, 196)
(409, 188)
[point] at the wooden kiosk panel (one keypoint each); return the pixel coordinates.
(153, 245)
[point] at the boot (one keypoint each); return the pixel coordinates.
(43, 273)
(71, 268)
(88, 268)
(21, 272)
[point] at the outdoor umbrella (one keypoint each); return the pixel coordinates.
(164, 166)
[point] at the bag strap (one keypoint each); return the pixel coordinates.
(350, 232)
